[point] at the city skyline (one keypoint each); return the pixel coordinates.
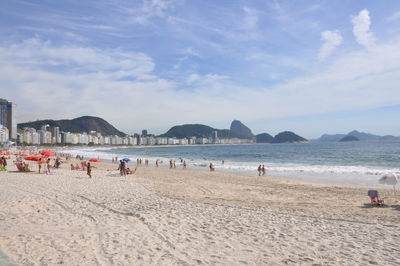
(311, 67)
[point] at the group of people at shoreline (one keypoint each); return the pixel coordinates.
(261, 170)
(87, 166)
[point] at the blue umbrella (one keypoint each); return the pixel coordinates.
(126, 160)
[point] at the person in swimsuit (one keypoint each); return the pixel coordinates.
(89, 170)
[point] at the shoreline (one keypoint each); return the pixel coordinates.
(337, 174)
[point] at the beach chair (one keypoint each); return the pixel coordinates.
(375, 198)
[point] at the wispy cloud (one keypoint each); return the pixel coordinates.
(332, 39)
(394, 16)
(361, 29)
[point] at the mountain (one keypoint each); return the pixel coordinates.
(363, 136)
(239, 128)
(328, 138)
(203, 131)
(288, 136)
(189, 130)
(359, 135)
(348, 138)
(77, 125)
(264, 138)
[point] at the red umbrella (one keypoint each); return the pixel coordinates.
(94, 160)
(33, 158)
(47, 153)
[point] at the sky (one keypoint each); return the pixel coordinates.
(307, 66)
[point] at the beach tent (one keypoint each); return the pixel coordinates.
(389, 179)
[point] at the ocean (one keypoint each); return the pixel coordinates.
(358, 163)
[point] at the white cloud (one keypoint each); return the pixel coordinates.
(150, 9)
(77, 59)
(361, 29)
(250, 19)
(394, 16)
(50, 81)
(332, 39)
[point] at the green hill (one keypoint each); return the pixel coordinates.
(264, 138)
(288, 136)
(77, 125)
(202, 131)
(189, 130)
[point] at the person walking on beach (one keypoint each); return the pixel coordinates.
(157, 163)
(259, 170)
(184, 164)
(174, 164)
(89, 170)
(263, 170)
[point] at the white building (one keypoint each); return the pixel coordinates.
(4, 135)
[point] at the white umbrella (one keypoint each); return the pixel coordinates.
(389, 179)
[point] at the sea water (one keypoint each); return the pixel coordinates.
(361, 162)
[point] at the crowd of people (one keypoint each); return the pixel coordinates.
(55, 163)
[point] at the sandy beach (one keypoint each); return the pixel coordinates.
(162, 216)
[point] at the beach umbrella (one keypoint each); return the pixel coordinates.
(47, 153)
(389, 179)
(126, 160)
(33, 158)
(94, 160)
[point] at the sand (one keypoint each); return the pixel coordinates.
(182, 217)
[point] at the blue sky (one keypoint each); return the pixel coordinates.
(311, 67)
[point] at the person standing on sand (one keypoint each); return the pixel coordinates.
(39, 165)
(48, 166)
(211, 167)
(4, 162)
(123, 168)
(263, 170)
(184, 164)
(259, 170)
(89, 170)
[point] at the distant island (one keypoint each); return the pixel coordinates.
(360, 136)
(348, 138)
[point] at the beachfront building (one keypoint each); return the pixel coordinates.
(161, 141)
(8, 117)
(56, 135)
(132, 140)
(4, 135)
(202, 141)
(44, 136)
